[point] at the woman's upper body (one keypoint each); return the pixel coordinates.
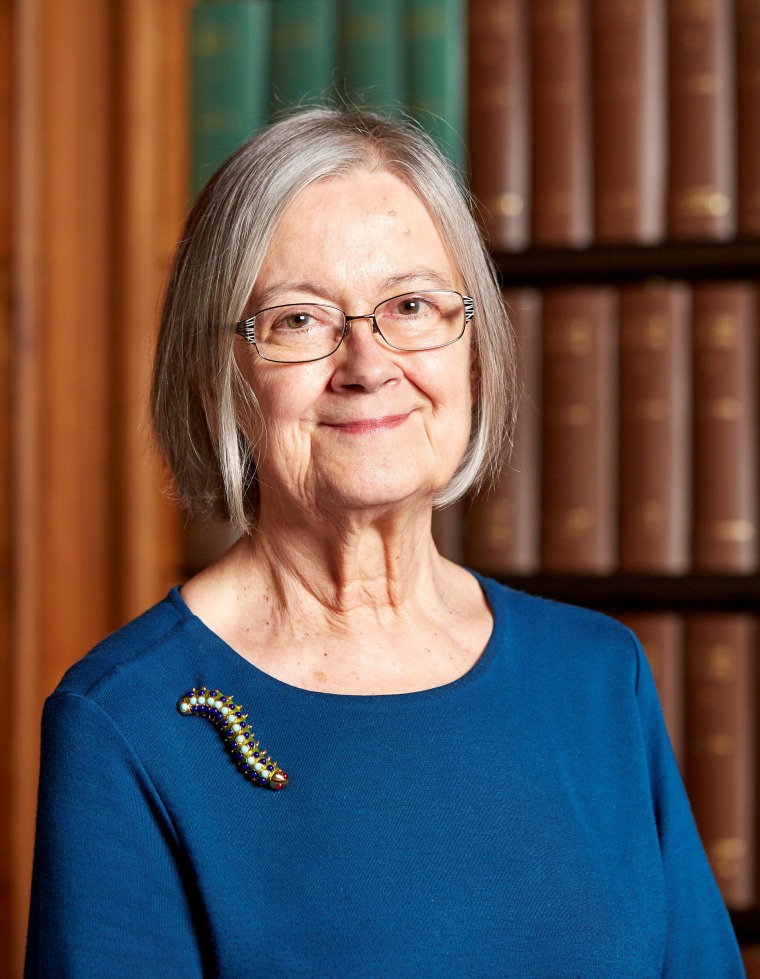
(525, 819)
(480, 782)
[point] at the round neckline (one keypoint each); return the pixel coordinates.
(478, 669)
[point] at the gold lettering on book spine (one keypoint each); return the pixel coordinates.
(651, 518)
(702, 199)
(732, 531)
(617, 12)
(506, 205)
(364, 25)
(703, 83)
(719, 332)
(692, 10)
(555, 17)
(295, 34)
(573, 338)
(648, 410)
(721, 410)
(646, 334)
(570, 416)
(494, 528)
(718, 665)
(493, 20)
(726, 855)
(576, 523)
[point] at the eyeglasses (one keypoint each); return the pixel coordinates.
(302, 332)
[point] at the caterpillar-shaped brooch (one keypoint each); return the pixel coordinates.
(228, 716)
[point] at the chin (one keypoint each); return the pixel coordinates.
(380, 490)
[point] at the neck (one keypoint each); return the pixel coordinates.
(365, 605)
(373, 562)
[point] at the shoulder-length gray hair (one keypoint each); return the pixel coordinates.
(199, 398)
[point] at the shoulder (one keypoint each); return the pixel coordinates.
(133, 654)
(563, 638)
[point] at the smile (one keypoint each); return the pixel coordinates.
(369, 426)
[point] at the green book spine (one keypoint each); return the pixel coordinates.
(372, 53)
(229, 71)
(436, 63)
(304, 52)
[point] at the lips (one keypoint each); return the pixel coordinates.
(366, 426)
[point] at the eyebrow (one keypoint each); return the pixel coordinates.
(419, 276)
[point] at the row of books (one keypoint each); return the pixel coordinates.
(637, 440)
(613, 121)
(707, 673)
(251, 59)
(589, 120)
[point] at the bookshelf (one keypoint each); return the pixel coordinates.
(639, 592)
(616, 265)
(646, 222)
(694, 261)
(620, 593)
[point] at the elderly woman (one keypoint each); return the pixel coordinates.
(468, 781)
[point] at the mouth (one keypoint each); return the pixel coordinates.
(369, 426)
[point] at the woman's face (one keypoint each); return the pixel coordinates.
(368, 426)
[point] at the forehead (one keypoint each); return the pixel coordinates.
(366, 224)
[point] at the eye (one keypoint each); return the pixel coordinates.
(294, 321)
(297, 319)
(412, 306)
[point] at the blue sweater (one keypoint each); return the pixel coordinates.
(526, 820)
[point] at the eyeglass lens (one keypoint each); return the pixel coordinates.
(308, 331)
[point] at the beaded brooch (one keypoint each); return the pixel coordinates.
(240, 739)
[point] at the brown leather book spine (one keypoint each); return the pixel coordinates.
(701, 120)
(205, 541)
(725, 420)
(561, 123)
(502, 528)
(751, 960)
(499, 116)
(579, 430)
(655, 430)
(748, 115)
(448, 531)
(661, 638)
(628, 41)
(721, 668)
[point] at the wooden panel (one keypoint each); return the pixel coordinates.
(61, 452)
(25, 485)
(98, 188)
(5, 434)
(148, 526)
(75, 320)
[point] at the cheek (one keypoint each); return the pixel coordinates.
(286, 397)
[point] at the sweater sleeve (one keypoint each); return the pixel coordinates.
(109, 894)
(700, 940)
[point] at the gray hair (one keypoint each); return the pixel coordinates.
(201, 403)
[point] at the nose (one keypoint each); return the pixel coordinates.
(363, 361)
